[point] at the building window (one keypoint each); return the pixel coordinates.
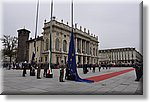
(90, 50)
(46, 47)
(83, 47)
(87, 48)
(78, 46)
(65, 46)
(94, 51)
(45, 58)
(37, 49)
(57, 60)
(65, 59)
(57, 44)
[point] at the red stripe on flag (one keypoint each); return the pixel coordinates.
(109, 75)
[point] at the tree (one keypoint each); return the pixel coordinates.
(10, 45)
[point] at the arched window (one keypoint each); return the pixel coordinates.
(57, 44)
(46, 46)
(65, 46)
(94, 51)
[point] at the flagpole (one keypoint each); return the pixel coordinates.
(36, 25)
(50, 74)
(72, 16)
(73, 74)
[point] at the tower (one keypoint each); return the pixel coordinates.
(23, 36)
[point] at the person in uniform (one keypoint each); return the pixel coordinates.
(138, 70)
(61, 66)
(67, 74)
(93, 68)
(24, 66)
(45, 69)
(99, 67)
(39, 70)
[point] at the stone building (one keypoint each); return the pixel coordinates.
(39, 46)
(120, 55)
(23, 36)
(86, 44)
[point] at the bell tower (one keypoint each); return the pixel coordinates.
(23, 47)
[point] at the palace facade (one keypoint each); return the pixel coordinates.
(120, 56)
(86, 44)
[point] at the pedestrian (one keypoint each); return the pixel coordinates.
(99, 66)
(106, 65)
(24, 66)
(39, 65)
(30, 69)
(103, 65)
(85, 70)
(109, 65)
(67, 74)
(138, 70)
(61, 66)
(13, 64)
(93, 68)
(90, 66)
(45, 69)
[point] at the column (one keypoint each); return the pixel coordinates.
(122, 56)
(85, 47)
(81, 59)
(77, 59)
(85, 60)
(128, 56)
(125, 56)
(76, 45)
(81, 46)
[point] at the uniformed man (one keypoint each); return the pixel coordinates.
(99, 67)
(93, 68)
(39, 70)
(24, 66)
(62, 67)
(67, 72)
(45, 69)
(138, 71)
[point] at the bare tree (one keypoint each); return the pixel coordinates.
(10, 45)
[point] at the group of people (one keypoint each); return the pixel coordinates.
(92, 66)
(64, 67)
(32, 67)
(40, 66)
(12, 65)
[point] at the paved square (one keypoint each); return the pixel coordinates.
(124, 84)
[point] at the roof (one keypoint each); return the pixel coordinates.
(37, 39)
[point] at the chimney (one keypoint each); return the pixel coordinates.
(84, 29)
(53, 18)
(62, 21)
(75, 25)
(45, 21)
(81, 28)
(88, 31)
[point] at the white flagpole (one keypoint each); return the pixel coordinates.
(50, 74)
(36, 25)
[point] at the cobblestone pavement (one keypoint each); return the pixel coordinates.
(124, 84)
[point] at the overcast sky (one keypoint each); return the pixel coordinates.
(117, 24)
